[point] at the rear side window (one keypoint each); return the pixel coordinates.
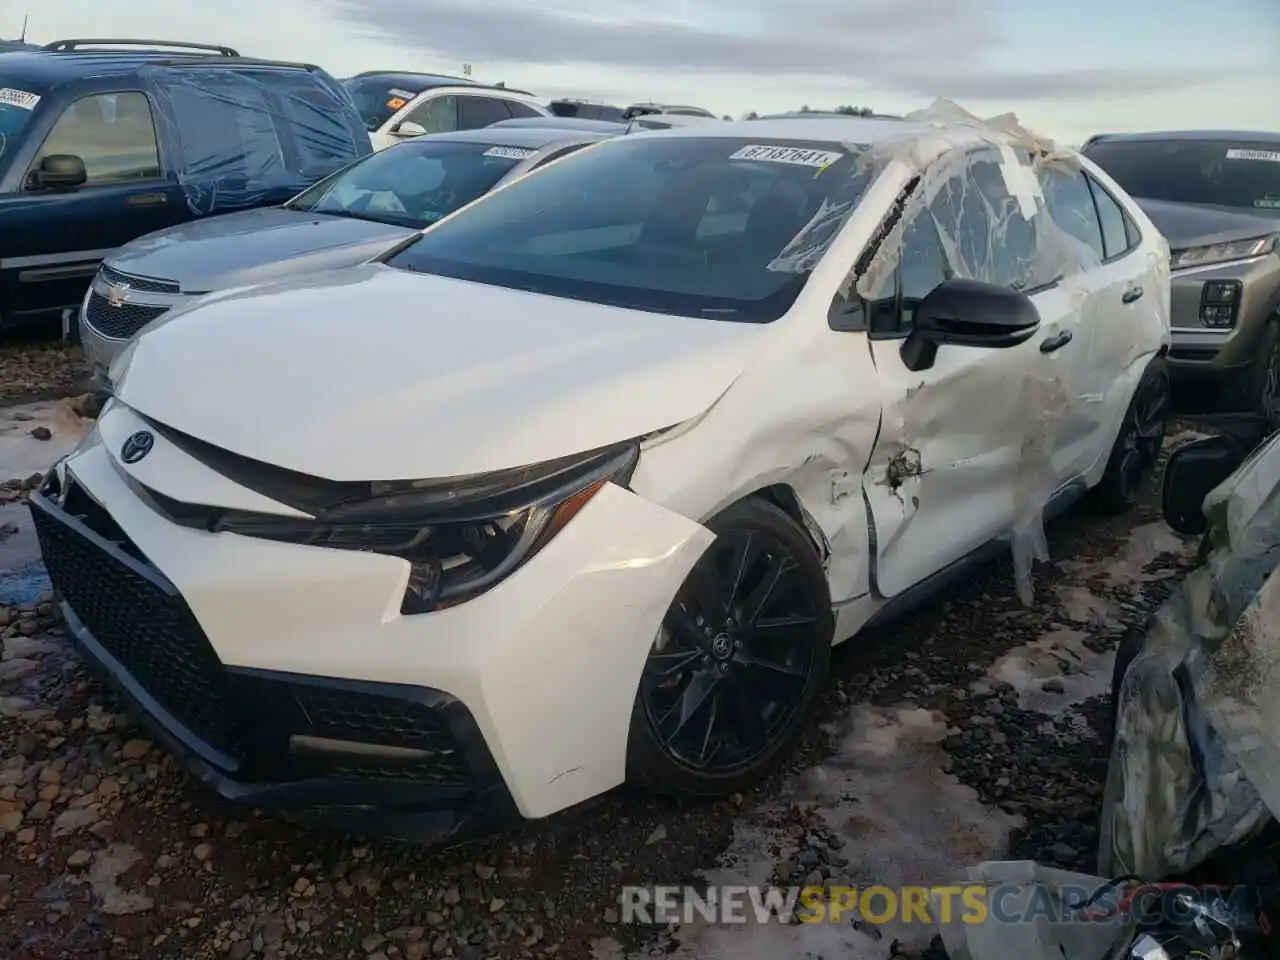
(1069, 202)
(113, 133)
(321, 141)
(477, 112)
(436, 114)
(1116, 230)
(521, 109)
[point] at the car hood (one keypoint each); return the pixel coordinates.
(253, 246)
(373, 373)
(1187, 225)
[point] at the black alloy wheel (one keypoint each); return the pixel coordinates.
(1137, 448)
(740, 660)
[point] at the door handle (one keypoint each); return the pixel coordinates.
(148, 200)
(1056, 343)
(1132, 294)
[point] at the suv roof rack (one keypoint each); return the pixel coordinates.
(411, 73)
(72, 45)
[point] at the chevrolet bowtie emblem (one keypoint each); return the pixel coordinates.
(118, 294)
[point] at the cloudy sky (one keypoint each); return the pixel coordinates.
(1068, 68)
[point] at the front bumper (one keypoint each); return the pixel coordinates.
(254, 656)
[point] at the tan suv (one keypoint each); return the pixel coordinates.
(1216, 198)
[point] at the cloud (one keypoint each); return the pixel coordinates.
(893, 45)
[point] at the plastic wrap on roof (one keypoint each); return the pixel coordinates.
(250, 136)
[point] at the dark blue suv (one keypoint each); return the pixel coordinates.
(100, 146)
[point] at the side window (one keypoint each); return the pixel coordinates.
(1115, 233)
(519, 109)
(1007, 238)
(922, 266)
(477, 112)
(1070, 205)
(113, 133)
(1131, 232)
(436, 115)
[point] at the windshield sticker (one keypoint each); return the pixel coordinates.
(395, 103)
(19, 98)
(1268, 203)
(797, 156)
(510, 153)
(1270, 156)
(406, 94)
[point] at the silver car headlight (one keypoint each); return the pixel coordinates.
(1222, 252)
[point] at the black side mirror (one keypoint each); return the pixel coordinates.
(59, 171)
(1192, 471)
(968, 313)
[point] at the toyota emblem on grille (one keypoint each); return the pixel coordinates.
(118, 296)
(137, 446)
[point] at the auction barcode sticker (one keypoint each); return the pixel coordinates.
(1271, 156)
(510, 153)
(19, 98)
(793, 155)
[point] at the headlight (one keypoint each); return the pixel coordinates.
(461, 535)
(1222, 252)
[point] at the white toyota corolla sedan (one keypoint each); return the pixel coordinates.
(581, 485)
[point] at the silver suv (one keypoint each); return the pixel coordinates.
(1216, 198)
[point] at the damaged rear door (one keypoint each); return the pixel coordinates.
(966, 447)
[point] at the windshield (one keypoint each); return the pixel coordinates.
(703, 227)
(1226, 173)
(16, 109)
(412, 184)
(378, 98)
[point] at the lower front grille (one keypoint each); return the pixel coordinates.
(118, 323)
(144, 626)
(249, 717)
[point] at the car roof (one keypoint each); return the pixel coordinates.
(859, 130)
(414, 81)
(566, 124)
(49, 69)
(530, 138)
(1255, 136)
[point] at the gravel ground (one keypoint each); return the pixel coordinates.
(107, 850)
(33, 367)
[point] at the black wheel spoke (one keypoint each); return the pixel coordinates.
(749, 723)
(755, 603)
(770, 630)
(710, 741)
(744, 554)
(671, 663)
(770, 672)
(694, 697)
(707, 591)
(684, 629)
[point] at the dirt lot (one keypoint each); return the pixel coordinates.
(973, 730)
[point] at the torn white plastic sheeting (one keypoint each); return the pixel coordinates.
(1044, 400)
(1195, 766)
(1030, 915)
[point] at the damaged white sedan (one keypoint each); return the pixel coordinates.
(580, 486)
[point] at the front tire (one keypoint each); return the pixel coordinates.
(1137, 446)
(739, 663)
(1268, 376)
